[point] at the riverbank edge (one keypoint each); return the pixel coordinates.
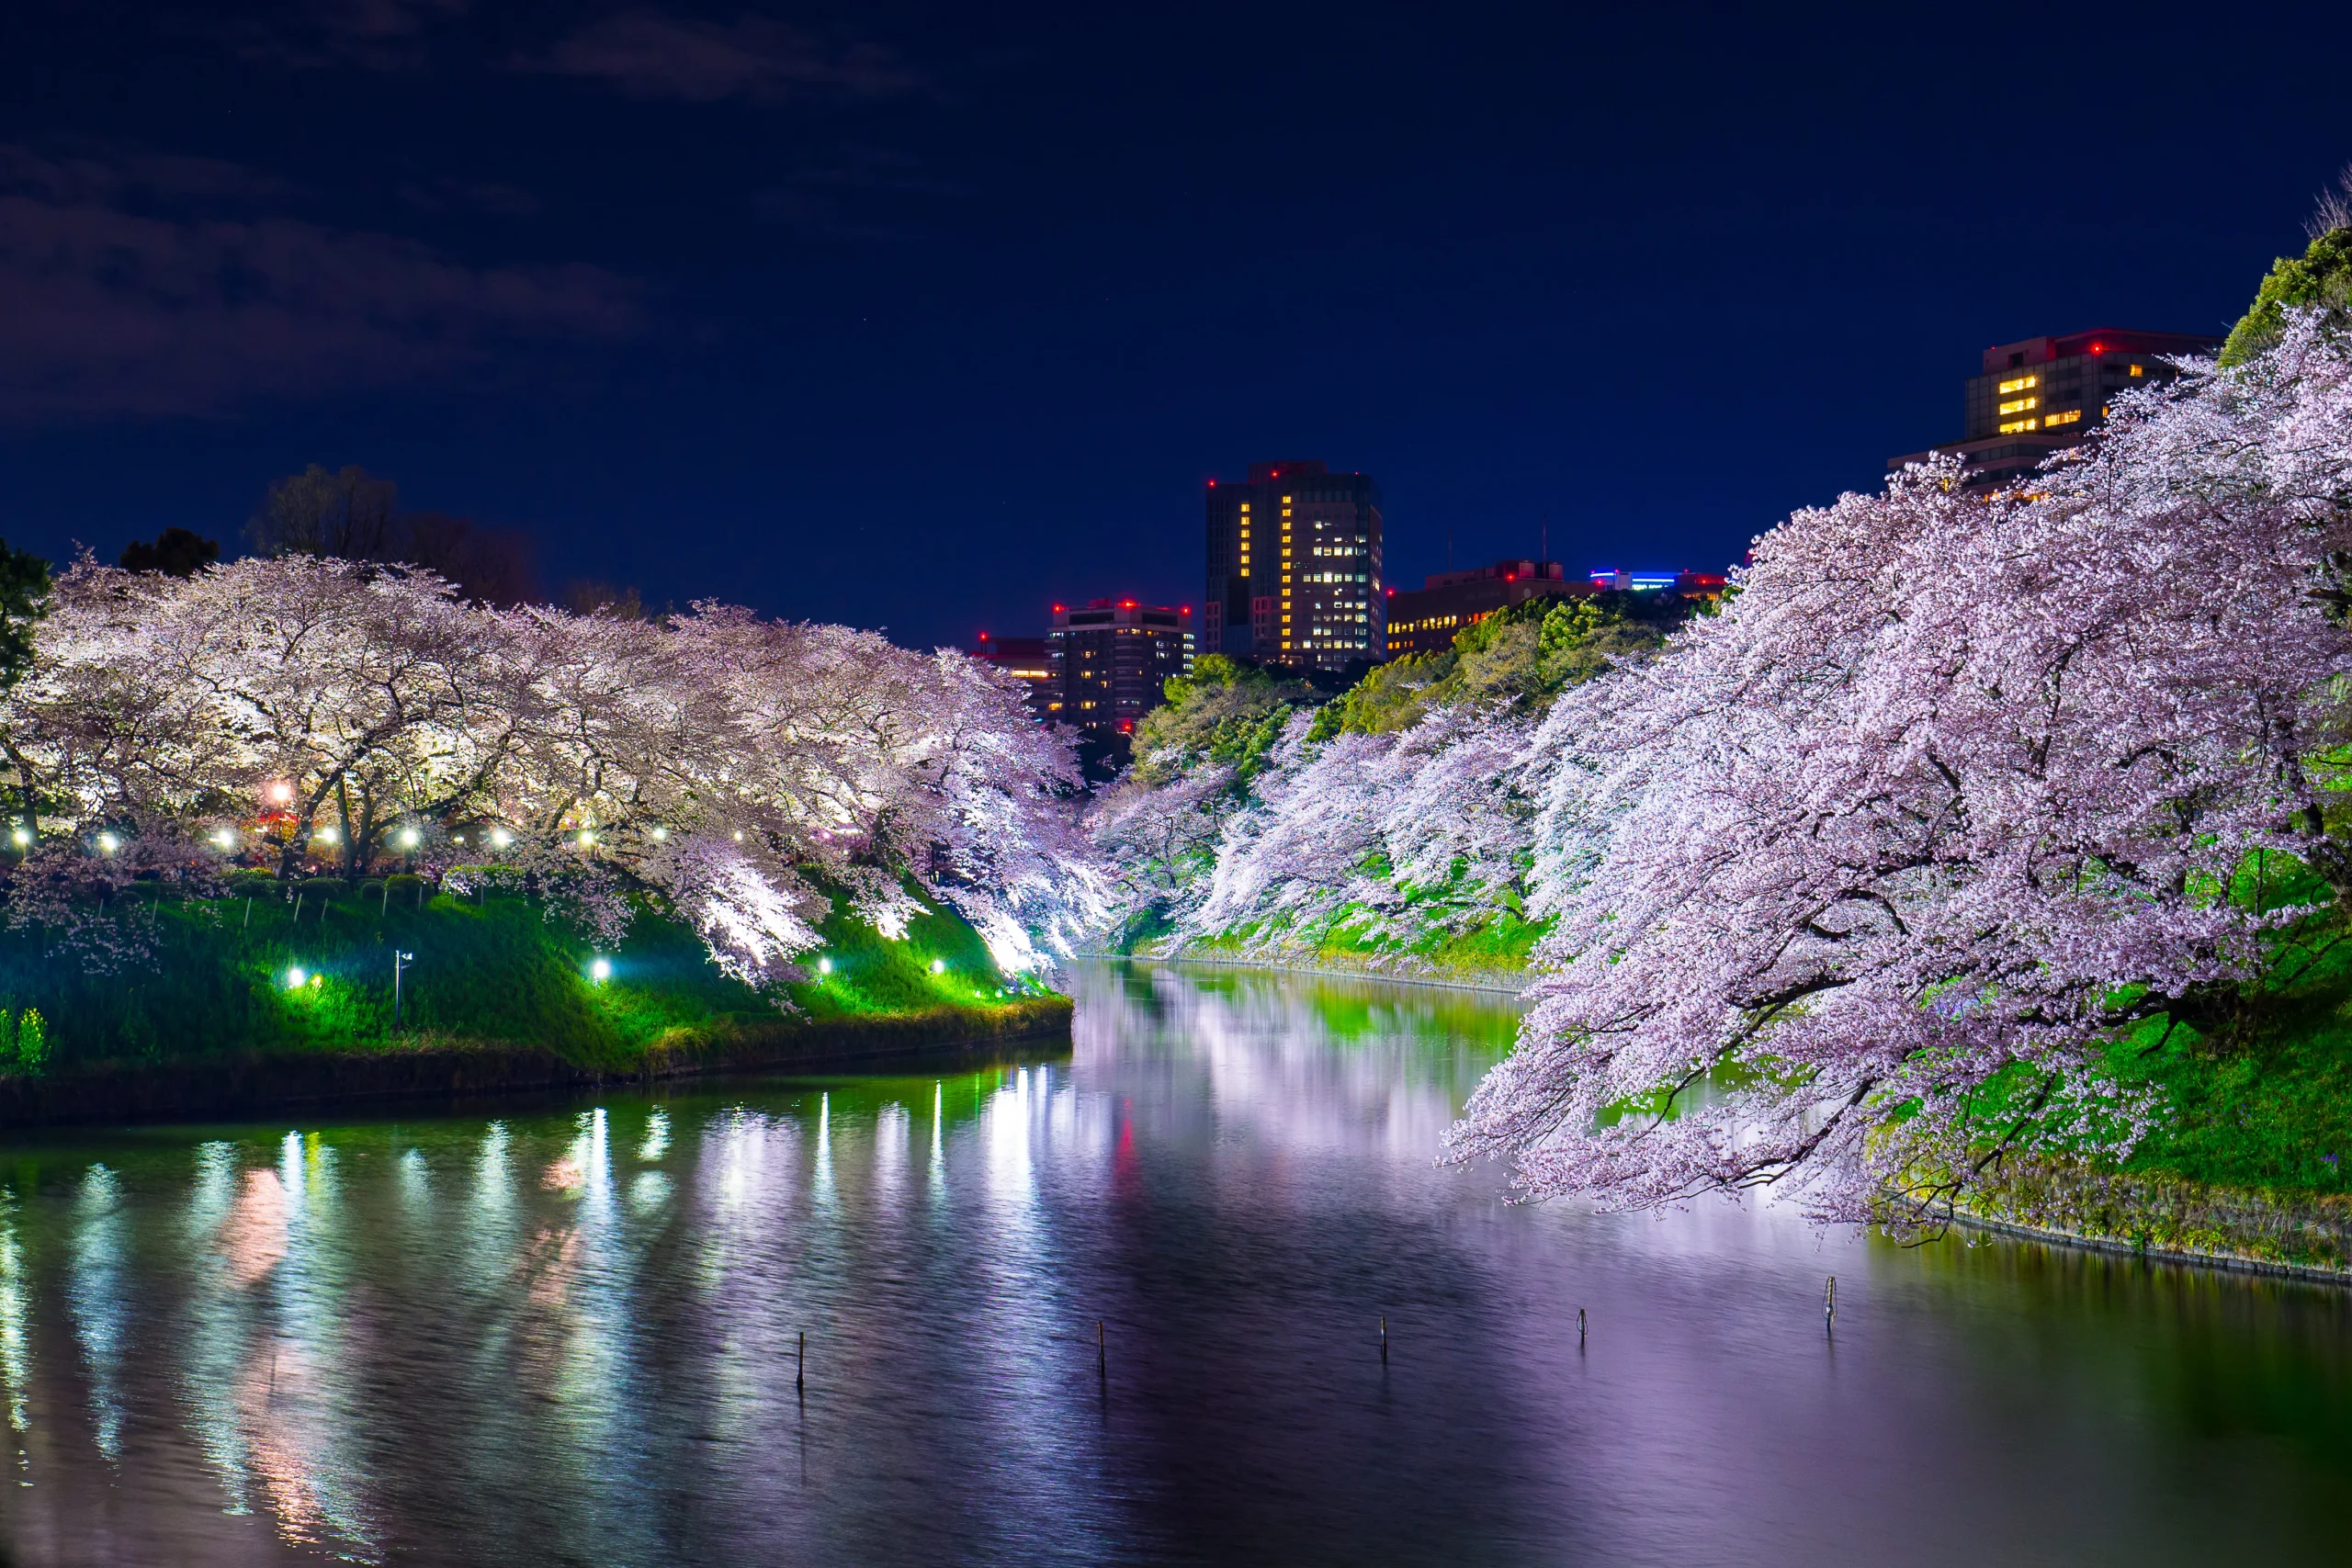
(2154, 1214)
(229, 1086)
(1501, 982)
(2232, 1262)
(2242, 1227)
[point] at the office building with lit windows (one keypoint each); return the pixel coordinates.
(1425, 619)
(1428, 618)
(1294, 566)
(2044, 395)
(1110, 662)
(1027, 659)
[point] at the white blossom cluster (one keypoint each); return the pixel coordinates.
(1863, 885)
(731, 764)
(1379, 840)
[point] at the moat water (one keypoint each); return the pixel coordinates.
(572, 1333)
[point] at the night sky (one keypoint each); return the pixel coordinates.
(923, 319)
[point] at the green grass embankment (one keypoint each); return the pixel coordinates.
(1495, 946)
(496, 997)
(2246, 1159)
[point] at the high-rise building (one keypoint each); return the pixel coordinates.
(2044, 394)
(1110, 662)
(1028, 659)
(1294, 559)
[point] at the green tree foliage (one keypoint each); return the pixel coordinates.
(353, 515)
(176, 552)
(1225, 712)
(1520, 658)
(2322, 275)
(347, 514)
(23, 600)
(32, 1042)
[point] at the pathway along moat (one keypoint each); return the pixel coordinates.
(569, 1335)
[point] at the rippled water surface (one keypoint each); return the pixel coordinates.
(570, 1334)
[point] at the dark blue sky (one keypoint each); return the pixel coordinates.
(922, 318)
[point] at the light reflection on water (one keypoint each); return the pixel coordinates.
(572, 1334)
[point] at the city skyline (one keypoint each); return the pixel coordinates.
(728, 299)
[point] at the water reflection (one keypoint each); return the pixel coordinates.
(573, 1335)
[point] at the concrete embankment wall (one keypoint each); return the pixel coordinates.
(2306, 1235)
(239, 1085)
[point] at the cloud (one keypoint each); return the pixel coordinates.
(137, 287)
(648, 55)
(488, 197)
(376, 35)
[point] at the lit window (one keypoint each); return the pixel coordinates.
(2139, 370)
(2069, 417)
(2019, 405)
(1285, 503)
(2020, 384)
(2016, 425)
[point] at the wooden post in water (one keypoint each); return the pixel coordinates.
(1101, 1352)
(1579, 1328)
(1383, 1341)
(1829, 1307)
(800, 1369)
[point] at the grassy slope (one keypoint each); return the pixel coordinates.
(491, 971)
(2274, 1108)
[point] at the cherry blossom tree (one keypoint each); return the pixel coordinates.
(1864, 885)
(743, 770)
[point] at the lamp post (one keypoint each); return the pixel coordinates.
(400, 961)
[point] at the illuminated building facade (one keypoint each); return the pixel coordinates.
(1109, 662)
(2044, 394)
(1028, 660)
(1294, 566)
(1426, 620)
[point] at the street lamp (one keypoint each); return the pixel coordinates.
(108, 843)
(408, 838)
